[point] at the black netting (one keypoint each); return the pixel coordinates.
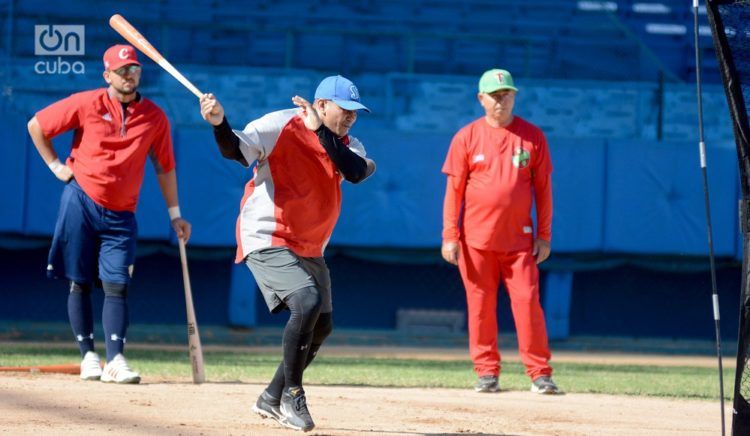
(730, 26)
(736, 19)
(744, 388)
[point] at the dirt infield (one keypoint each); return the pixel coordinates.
(62, 404)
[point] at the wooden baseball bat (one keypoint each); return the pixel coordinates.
(134, 37)
(194, 338)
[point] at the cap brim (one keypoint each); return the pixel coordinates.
(500, 88)
(123, 63)
(350, 105)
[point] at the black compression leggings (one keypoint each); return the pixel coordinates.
(321, 329)
(304, 306)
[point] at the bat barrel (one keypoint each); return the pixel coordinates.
(194, 341)
(127, 31)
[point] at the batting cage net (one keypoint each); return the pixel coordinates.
(730, 25)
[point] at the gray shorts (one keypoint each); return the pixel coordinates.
(279, 273)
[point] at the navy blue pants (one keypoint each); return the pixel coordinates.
(90, 238)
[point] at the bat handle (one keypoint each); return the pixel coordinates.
(183, 260)
(180, 78)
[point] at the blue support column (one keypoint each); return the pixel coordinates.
(242, 295)
(558, 289)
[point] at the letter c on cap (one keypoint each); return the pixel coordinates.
(123, 53)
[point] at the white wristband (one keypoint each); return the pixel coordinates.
(56, 166)
(174, 213)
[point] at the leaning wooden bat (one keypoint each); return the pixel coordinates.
(194, 339)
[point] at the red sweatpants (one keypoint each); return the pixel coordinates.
(481, 272)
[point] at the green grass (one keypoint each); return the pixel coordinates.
(248, 367)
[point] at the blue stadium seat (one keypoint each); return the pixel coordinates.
(266, 49)
(430, 55)
(541, 39)
(372, 53)
(193, 12)
(319, 51)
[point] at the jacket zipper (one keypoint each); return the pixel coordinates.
(122, 128)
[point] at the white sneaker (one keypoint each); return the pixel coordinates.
(91, 369)
(118, 371)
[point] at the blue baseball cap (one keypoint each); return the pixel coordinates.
(341, 91)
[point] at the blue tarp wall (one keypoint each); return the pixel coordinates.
(618, 190)
(610, 196)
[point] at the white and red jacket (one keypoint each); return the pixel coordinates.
(294, 198)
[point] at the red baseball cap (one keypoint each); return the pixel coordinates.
(120, 55)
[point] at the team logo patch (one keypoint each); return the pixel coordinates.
(521, 158)
(354, 93)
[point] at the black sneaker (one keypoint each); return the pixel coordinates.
(294, 413)
(487, 383)
(267, 406)
(544, 385)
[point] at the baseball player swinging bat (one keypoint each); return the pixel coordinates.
(194, 339)
(134, 37)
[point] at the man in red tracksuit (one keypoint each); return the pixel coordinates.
(497, 166)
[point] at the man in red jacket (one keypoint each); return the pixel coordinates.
(116, 131)
(497, 166)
